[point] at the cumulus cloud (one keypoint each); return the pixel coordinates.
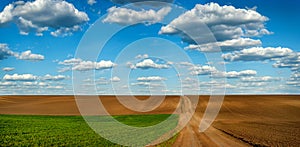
(296, 75)
(22, 77)
(202, 70)
(291, 61)
(260, 79)
(294, 79)
(293, 83)
(91, 2)
(185, 64)
(144, 2)
(214, 72)
(81, 65)
(216, 84)
(142, 56)
(225, 23)
(6, 83)
(54, 78)
(34, 83)
(151, 78)
(227, 45)
(42, 84)
(115, 79)
(89, 65)
(27, 55)
(146, 64)
(125, 16)
(54, 87)
(64, 69)
(198, 69)
(257, 54)
(65, 31)
(5, 51)
(234, 74)
(33, 78)
(251, 84)
(149, 84)
(71, 61)
(8, 69)
(42, 15)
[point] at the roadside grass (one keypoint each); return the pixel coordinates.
(30, 130)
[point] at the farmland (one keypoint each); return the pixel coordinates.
(243, 120)
(28, 130)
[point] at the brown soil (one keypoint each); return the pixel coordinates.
(263, 120)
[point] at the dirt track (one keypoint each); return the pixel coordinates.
(242, 121)
(191, 137)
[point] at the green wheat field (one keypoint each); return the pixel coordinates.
(31, 130)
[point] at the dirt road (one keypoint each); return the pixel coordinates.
(190, 136)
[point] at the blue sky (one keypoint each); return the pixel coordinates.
(184, 47)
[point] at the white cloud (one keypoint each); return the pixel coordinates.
(30, 77)
(142, 56)
(257, 54)
(125, 16)
(215, 73)
(6, 15)
(214, 84)
(227, 45)
(91, 2)
(202, 70)
(54, 87)
(225, 22)
(185, 64)
(234, 74)
(296, 75)
(17, 77)
(251, 84)
(89, 65)
(151, 78)
(54, 78)
(30, 83)
(81, 65)
(64, 69)
(260, 79)
(292, 61)
(65, 31)
(146, 84)
(146, 64)
(190, 80)
(115, 79)
(8, 69)
(294, 79)
(6, 83)
(293, 83)
(71, 61)
(41, 15)
(5, 51)
(27, 55)
(198, 69)
(42, 84)
(151, 3)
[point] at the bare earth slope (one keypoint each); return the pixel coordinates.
(263, 120)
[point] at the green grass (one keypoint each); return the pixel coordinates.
(24, 130)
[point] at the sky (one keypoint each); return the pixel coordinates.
(107, 47)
